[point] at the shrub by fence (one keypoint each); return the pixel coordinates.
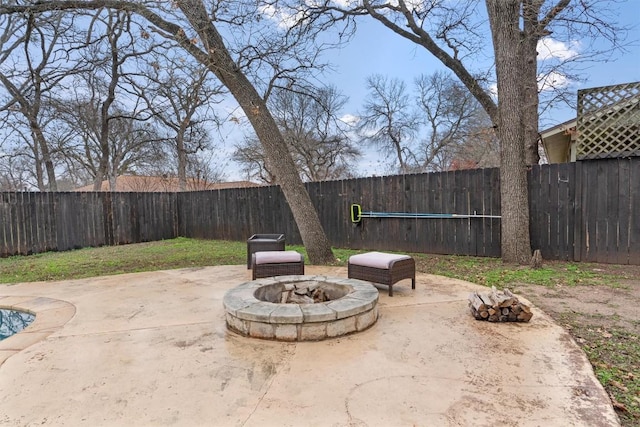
(585, 211)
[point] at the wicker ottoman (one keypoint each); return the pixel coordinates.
(380, 267)
(276, 263)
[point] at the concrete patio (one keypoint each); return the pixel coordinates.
(152, 349)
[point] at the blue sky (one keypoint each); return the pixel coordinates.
(376, 50)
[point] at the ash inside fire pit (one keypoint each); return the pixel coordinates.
(301, 292)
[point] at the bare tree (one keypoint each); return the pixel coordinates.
(114, 35)
(422, 130)
(14, 172)
(204, 169)
(35, 65)
(389, 121)
(316, 137)
(180, 94)
(253, 161)
(451, 115)
(479, 149)
(504, 16)
(193, 25)
(132, 145)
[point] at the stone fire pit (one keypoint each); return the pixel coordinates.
(301, 308)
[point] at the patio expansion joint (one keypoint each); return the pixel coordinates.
(124, 330)
(283, 367)
(383, 304)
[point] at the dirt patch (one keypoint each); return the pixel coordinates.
(603, 306)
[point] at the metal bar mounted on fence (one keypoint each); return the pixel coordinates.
(357, 214)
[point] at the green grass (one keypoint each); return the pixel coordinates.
(183, 252)
(614, 355)
(108, 260)
(89, 262)
(493, 272)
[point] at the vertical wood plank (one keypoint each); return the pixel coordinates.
(634, 215)
(565, 211)
(579, 228)
(611, 211)
(602, 224)
(624, 211)
(536, 229)
(553, 211)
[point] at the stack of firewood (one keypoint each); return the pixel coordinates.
(497, 306)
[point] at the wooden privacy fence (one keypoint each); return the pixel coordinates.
(237, 214)
(32, 222)
(585, 211)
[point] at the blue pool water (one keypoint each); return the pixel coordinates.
(13, 321)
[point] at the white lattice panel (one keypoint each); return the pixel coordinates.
(608, 124)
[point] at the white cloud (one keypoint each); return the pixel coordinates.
(345, 3)
(549, 48)
(552, 80)
(546, 82)
(493, 90)
(284, 18)
(350, 119)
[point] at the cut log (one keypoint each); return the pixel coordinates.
(524, 317)
(499, 299)
(477, 302)
(478, 307)
(498, 306)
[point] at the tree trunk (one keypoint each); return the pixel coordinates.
(529, 75)
(39, 172)
(40, 139)
(182, 156)
(530, 100)
(103, 165)
(504, 19)
(278, 155)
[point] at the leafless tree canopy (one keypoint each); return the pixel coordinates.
(436, 125)
(80, 103)
(316, 137)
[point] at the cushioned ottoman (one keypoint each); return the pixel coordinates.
(380, 267)
(276, 263)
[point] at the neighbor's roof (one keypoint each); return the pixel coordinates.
(139, 183)
(556, 141)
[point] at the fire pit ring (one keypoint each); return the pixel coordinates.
(251, 312)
